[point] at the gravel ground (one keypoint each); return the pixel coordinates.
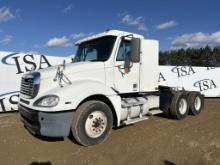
(192, 141)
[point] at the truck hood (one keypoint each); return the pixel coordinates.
(72, 68)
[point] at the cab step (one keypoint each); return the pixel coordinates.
(154, 112)
(135, 120)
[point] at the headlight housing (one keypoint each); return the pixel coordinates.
(47, 101)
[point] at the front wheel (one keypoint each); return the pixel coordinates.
(92, 123)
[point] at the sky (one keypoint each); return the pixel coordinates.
(53, 26)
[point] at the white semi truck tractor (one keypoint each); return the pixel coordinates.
(112, 81)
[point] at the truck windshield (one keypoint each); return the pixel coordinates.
(95, 50)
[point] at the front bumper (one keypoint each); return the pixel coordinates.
(48, 124)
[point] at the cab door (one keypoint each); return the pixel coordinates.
(126, 81)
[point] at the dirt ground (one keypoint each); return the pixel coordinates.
(193, 141)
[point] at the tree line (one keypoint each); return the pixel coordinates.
(207, 56)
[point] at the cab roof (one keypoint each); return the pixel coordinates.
(108, 33)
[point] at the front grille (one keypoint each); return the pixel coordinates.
(27, 86)
(30, 84)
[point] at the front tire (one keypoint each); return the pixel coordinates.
(92, 123)
(179, 106)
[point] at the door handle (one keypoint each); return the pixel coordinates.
(120, 66)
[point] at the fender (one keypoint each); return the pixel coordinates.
(78, 91)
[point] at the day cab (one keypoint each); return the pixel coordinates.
(113, 81)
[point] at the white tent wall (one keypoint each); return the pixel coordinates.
(203, 79)
(13, 65)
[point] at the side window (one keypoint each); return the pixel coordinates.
(125, 47)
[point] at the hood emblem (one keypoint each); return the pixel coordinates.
(60, 76)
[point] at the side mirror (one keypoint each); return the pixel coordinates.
(135, 49)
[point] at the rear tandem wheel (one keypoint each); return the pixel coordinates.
(179, 106)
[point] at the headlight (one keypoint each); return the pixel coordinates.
(47, 101)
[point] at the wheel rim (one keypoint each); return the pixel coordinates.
(96, 124)
(182, 106)
(197, 103)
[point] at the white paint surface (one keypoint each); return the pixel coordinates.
(206, 80)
